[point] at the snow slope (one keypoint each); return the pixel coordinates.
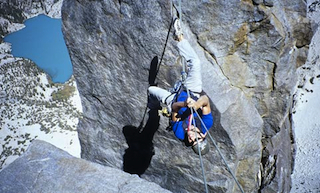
(306, 117)
(31, 107)
(306, 175)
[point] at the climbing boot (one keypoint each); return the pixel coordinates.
(177, 34)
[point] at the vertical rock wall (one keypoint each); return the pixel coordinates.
(249, 51)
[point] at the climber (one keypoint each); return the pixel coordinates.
(193, 133)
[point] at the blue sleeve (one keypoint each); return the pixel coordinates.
(208, 122)
(178, 129)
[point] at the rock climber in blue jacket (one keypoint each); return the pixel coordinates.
(186, 126)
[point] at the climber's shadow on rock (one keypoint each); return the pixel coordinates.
(138, 156)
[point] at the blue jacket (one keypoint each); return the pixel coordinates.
(178, 126)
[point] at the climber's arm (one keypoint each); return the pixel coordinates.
(203, 102)
(176, 106)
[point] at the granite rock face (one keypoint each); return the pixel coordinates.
(250, 51)
(46, 168)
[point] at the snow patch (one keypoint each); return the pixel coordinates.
(33, 108)
(306, 122)
(306, 174)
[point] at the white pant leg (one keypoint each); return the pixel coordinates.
(194, 79)
(161, 94)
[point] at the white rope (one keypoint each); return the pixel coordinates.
(183, 74)
(221, 155)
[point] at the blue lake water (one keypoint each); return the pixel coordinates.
(42, 42)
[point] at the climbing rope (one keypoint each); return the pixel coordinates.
(172, 7)
(168, 34)
(221, 155)
(191, 119)
(199, 150)
(159, 64)
(165, 46)
(183, 75)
